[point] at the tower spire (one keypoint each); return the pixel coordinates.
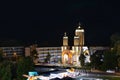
(79, 25)
(65, 34)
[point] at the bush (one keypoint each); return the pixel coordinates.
(5, 70)
(24, 65)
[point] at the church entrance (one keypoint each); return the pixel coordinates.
(66, 57)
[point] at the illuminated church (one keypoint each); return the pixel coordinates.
(72, 56)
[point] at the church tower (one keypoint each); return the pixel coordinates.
(79, 32)
(72, 55)
(65, 42)
(78, 44)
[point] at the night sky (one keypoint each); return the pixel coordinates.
(45, 22)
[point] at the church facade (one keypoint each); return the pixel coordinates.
(71, 56)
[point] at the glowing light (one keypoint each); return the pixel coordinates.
(76, 37)
(65, 37)
(65, 57)
(82, 30)
(79, 27)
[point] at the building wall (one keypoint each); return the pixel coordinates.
(93, 49)
(80, 33)
(10, 51)
(55, 53)
(76, 40)
(27, 51)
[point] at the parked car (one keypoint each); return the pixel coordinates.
(110, 71)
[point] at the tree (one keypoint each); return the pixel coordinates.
(115, 42)
(114, 38)
(24, 65)
(1, 55)
(34, 55)
(118, 59)
(5, 70)
(47, 59)
(82, 59)
(109, 60)
(117, 47)
(97, 59)
(7, 73)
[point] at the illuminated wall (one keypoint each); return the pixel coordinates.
(76, 40)
(80, 33)
(76, 48)
(65, 40)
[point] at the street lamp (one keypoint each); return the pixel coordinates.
(14, 54)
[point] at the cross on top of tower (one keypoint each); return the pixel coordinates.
(65, 34)
(79, 25)
(79, 28)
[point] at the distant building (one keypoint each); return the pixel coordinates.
(27, 51)
(93, 49)
(10, 51)
(55, 53)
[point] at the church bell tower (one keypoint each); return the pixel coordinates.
(78, 44)
(65, 42)
(79, 32)
(73, 54)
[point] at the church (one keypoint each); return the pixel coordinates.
(71, 56)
